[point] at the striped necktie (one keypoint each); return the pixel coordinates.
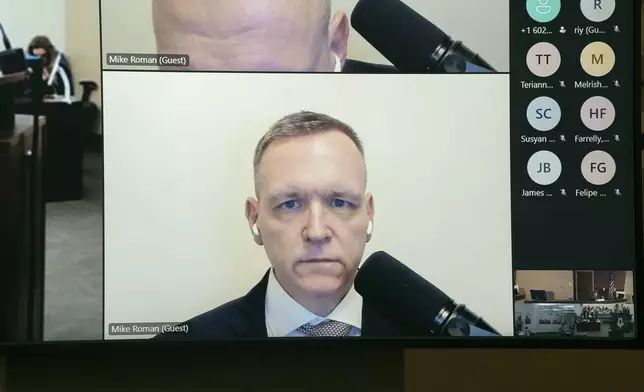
(326, 329)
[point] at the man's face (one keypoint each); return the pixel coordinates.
(313, 212)
(251, 35)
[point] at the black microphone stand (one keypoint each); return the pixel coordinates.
(457, 320)
(453, 57)
(37, 206)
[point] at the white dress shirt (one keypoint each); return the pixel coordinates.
(284, 315)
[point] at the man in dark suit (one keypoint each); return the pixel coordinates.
(257, 35)
(313, 217)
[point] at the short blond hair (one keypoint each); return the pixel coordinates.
(303, 123)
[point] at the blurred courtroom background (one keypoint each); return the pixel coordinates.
(72, 26)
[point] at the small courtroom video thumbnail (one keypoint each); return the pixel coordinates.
(259, 195)
(597, 304)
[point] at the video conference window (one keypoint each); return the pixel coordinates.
(413, 195)
(249, 169)
(574, 303)
(297, 35)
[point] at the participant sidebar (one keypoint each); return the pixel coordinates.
(572, 134)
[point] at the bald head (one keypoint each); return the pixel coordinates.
(252, 35)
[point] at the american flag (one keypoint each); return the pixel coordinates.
(612, 290)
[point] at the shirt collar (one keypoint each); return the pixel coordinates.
(284, 314)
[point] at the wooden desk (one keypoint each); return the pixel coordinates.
(63, 161)
(22, 229)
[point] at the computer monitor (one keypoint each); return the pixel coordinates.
(12, 61)
(538, 295)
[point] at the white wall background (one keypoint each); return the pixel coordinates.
(178, 168)
(629, 284)
(83, 42)
(482, 25)
(24, 19)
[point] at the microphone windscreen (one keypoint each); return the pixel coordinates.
(398, 32)
(399, 293)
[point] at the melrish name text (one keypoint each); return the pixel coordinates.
(589, 84)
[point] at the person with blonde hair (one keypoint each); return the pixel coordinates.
(313, 216)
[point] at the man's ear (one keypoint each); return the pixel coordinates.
(339, 35)
(370, 213)
(252, 214)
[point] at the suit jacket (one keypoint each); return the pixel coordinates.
(244, 318)
(360, 67)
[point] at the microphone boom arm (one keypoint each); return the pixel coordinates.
(455, 57)
(57, 69)
(455, 320)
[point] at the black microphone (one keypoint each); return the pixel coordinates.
(5, 39)
(412, 43)
(405, 298)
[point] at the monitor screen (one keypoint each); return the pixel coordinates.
(358, 169)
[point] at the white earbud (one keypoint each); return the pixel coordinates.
(255, 230)
(369, 228)
(338, 63)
